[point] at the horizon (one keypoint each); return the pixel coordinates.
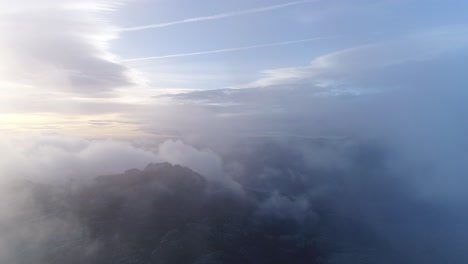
(313, 131)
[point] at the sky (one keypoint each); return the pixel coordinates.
(125, 68)
(358, 94)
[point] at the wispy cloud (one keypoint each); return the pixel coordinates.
(72, 56)
(283, 43)
(367, 63)
(218, 16)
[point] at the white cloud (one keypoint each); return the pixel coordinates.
(274, 44)
(205, 162)
(218, 16)
(57, 158)
(61, 45)
(349, 65)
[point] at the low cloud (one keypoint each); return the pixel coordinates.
(205, 162)
(318, 190)
(57, 158)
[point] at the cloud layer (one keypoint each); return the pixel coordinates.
(61, 46)
(344, 200)
(366, 63)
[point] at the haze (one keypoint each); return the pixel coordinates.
(348, 109)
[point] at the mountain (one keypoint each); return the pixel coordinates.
(169, 214)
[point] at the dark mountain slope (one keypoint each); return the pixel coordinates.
(170, 214)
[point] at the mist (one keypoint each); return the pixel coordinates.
(385, 186)
(371, 178)
(231, 134)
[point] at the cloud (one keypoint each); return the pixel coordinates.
(275, 44)
(46, 224)
(405, 94)
(330, 187)
(204, 162)
(54, 158)
(60, 45)
(46, 158)
(218, 16)
(356, 167)
(359, 63)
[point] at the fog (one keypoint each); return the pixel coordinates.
(378, 175)
(396, 173)
(356, 155)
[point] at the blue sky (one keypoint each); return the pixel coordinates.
(124, 67)
(342, 24)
